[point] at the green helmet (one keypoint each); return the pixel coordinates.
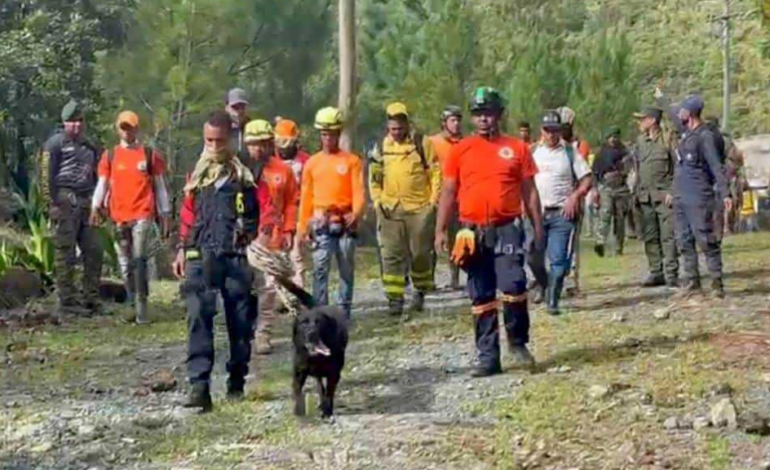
(487, 98)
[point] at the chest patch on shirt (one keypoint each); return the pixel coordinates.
(506, 153)
(342, 169)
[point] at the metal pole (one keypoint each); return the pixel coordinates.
(726, 68)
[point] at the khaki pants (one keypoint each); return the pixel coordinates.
(406, 247)
(268, 301)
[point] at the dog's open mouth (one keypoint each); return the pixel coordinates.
(318, 349)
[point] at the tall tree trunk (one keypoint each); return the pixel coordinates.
(347, 90)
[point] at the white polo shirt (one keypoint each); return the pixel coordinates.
(555, 180)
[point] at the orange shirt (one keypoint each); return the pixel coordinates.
(331, 181)
(442, 146)
(131, 188)
(489, 176)
(284, 197)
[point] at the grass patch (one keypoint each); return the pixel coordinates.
(718, 451)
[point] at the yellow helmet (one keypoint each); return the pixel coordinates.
(257, 130)
(328, 119)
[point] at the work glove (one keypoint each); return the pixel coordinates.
(464, 247)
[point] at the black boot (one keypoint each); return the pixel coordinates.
(553, 293)
(521, 356)
(395, 308)
(654, 280)
(200, 397)
(486, 371)
(599, 249)
(235, 386)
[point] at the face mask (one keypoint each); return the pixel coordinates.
(220, 157)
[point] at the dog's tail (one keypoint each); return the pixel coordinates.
(280, 268)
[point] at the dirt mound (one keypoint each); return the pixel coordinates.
(753, 348)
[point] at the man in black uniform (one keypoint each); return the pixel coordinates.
(218, 219)
(71, 179)
(698, 172)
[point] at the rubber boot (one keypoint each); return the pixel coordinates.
(553, 293)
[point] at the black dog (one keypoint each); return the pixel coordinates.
(320, 336)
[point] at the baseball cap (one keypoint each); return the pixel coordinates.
(396, 109)
(237, 96)
(128, 117)
(693, 104)
(649, 111)
(551, 121)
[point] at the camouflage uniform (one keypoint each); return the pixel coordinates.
(71, 182)
(614, 196)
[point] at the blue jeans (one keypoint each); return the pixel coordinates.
(344, 249)
(557, 231)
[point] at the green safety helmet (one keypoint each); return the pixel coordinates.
(487, 98)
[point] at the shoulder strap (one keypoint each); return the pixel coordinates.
(148, 152)
(419, 145)
(571, 155)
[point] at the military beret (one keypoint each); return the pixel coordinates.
(72, 111)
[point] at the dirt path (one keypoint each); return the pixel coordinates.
(625, 377)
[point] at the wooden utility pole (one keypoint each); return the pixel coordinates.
(726, 68)
(347, 89)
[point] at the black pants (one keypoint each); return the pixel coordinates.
(233, 279)
(498, 265)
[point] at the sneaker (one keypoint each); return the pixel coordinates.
(539, 296)
(486, 371)
(395, 308)
(654, 280)
(521, 355)
(599, 249)
(200, 398)
(263, 346)
(418, 302)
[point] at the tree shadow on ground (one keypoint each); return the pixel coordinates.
(407, 391)
(595, 355)
(622, 302)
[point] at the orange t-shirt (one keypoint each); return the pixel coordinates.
(131, 189)
(284, 197)
(489, 176)
(443, 146)
(331, 181)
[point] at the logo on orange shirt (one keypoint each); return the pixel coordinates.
(342, 169)
(506, 153)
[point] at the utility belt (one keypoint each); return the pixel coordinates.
(73, 198)
(213, 263)
(330, 221)
(474, 240)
